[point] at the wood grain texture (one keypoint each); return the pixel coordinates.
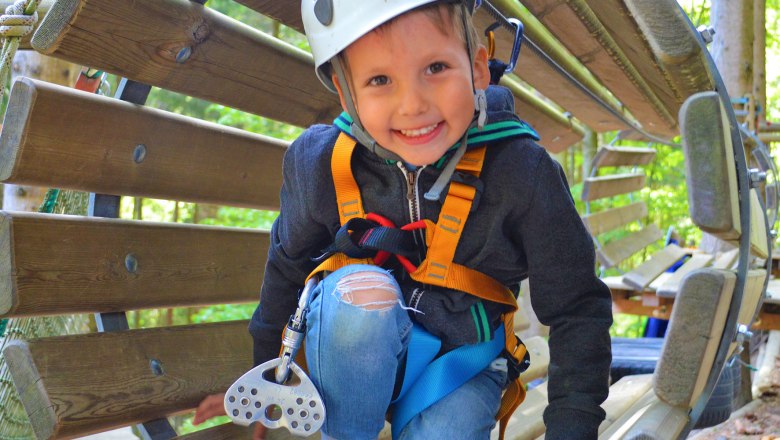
(673, 41)
(185, 158)
(230, 63)
(622, 26)
(31, 390)
(641, 276)
(610, 219)
(70, 264)
(577, 27)
(614, 252)
(73, 381)
(611, 156)
(595, 188)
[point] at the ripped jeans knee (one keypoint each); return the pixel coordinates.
(370, 290)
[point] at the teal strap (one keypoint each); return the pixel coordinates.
(440, 377)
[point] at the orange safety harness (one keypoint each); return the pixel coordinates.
(437, 268)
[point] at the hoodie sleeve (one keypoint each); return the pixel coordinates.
(295, 238)
(567, 296)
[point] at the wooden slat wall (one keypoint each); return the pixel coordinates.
(230, 63)
(56, 264)
(577, 27)
(595, 188)
(185, 158)
(194, 361)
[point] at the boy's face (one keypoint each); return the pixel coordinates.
(412, 87)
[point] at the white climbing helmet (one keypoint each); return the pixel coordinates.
(332, 25)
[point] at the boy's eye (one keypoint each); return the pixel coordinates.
(379, 80)
(437, 67)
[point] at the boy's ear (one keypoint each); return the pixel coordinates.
(481, 70)
(335, 80)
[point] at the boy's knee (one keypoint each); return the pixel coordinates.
(369, 290)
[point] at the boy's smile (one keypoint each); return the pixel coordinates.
(412, 86)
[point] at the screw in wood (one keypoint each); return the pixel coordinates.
(139, 153)
(156, 367)
(131, 263)
(184, 54)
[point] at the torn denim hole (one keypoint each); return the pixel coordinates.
(369, 291)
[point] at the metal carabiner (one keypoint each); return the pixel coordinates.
(519, 29)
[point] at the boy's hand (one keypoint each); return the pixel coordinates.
(213, 406)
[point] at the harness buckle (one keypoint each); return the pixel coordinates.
(515, 367)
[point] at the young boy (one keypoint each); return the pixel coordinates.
(407, 73)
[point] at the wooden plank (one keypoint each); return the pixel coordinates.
(68, 391)
(610, 219)
(674, 43)
(621, 25)
(595, 188)
(622, 395)
(752, 296)
(611, 156)
(670, 287)
(767, 321)
(763, 379)
(228, 62)
(537, 72)
(541, 75)
(614, 252)
(726, 260)
(58, 264)
(641, 277)
(577, 27)
(540, 359)
(43, 145)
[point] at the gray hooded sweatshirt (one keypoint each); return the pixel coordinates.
(523, 225)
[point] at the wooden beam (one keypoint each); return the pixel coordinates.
(641, 276)
(633, 307)
(542, 76)
(595, 188)
(59, 264)
(611, 156)
(76, 385)
(557, 131)
(614, 252)
(671, 285)
(186, 47)
(674, 43)
(577, 27)
(609, 219)
(138, 150)
(622, 395)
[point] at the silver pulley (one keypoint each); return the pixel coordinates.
(278, 393)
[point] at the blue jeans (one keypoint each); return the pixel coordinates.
(354, 345)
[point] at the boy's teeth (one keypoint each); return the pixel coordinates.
(419, 132)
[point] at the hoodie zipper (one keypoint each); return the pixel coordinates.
(413, 200)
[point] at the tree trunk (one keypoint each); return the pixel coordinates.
(732, 50)
(732, 47)
(759, 57)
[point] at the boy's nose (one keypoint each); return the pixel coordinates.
(413, 101)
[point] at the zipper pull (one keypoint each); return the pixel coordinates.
(410, 179)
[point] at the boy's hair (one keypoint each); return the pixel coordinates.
(447, 17)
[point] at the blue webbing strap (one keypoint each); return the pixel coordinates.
(426, 383)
